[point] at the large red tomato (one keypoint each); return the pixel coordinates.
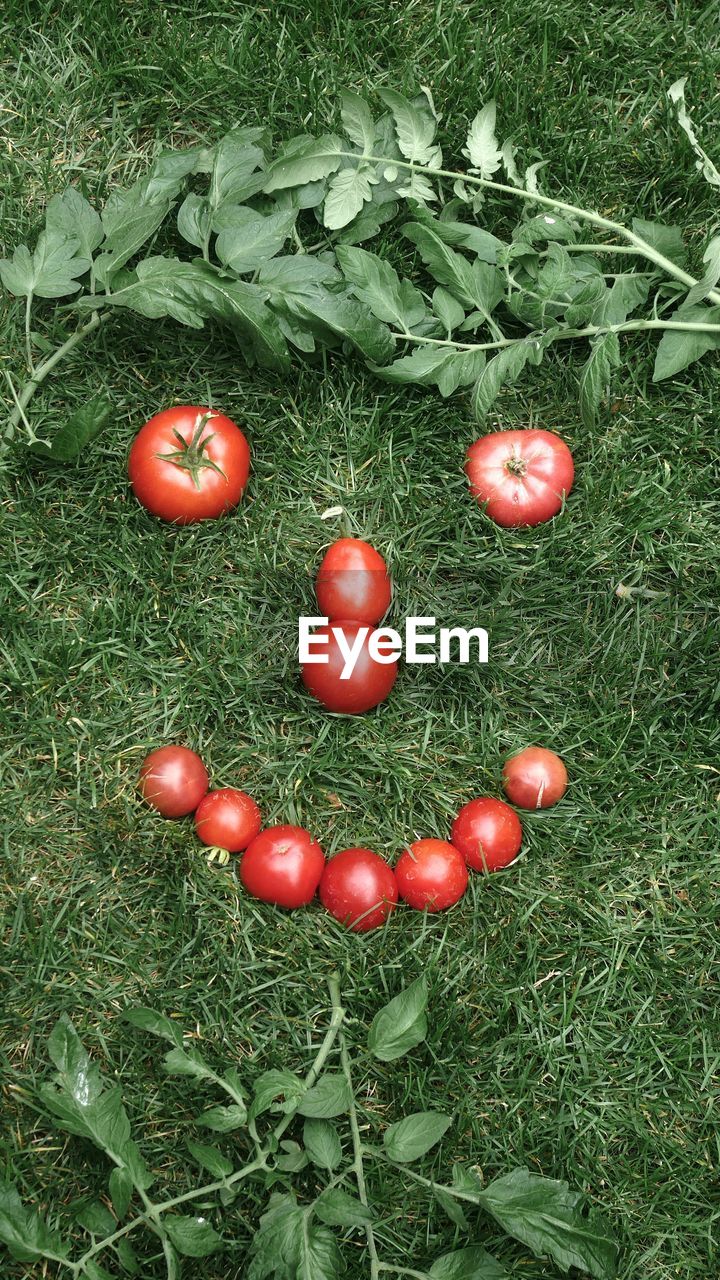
(173, 780)
(227, 819)
(358, 889)
(283, 865)
(370, 681)
(488, 834)
(535, 778)
(353, 582)
(431, 875)
(521, 476)
(188, 464)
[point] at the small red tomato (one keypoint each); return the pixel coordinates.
(358, 889)
(227, 819)
(173, 780)
(488, 834)
(521, 476)
(283, 865)
(188, 464)
(535, 778)
(431, 875)
(353, 582)
(370, 681)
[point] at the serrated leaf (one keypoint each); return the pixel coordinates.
(72, 216)
(442, 367)
(627, 293)
(193, 220)
(278, 1240)
(83, 425)
(667, 240)
(401, 1024)
(52, 271)
(676, 94)
(293, 1158)
(330, 1097)
(604, 357)
(272, 1085)
(121, 1189)
(447, 309)
(320, 1257)
(155, 1023)
(238, 167)
(247, 238)
(341, 316)
(179, 1063)
(549, 1218)
(368, 222)
(545, 226)
(479, 242)
(415, 129)
(471, 1263)
(548, 293)
(304, 159)
(126, 1257)
(476, 284)
(412, 1137)
(504, 368)
(130, 217)
(357, 121)
(322, 1143)
(223, 1119)
(96, 1218)
(508, 152)
(377, 284)
(452, 1208)
(192, 1237)
(348, 191)
(531, 174)
(587, 301)
(678, 349)
(210, 1158)
(338, 1209)
(482, 146)
(418, 188)
(94, 1271)
(711, 258)
(24, 1233)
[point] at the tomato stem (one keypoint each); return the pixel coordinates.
(516, 466)
(190, 454)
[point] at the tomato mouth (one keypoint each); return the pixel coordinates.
(516, 467)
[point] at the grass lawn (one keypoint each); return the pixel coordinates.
(573, 1011)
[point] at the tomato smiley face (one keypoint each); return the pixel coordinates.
(283, 865)
(227, 819)
(369, 682)
(488, 834)
(431, 875)
(188, 464)
(358, 889)
(535, 778)
(522, 477)
(173, 780)
(353, 582)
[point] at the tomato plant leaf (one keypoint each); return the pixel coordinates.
(333, 314)
(627, 293)
(320, 1257)
(278, 1240)
(447, 309)
(357, 121)
(179, 1063)
(94, 1271)
(81, 427)
(442, 367)
(412, 1137)
(210, 1158)
(483, 151)
(548, 1217)
(272, 1085)
(378, 285)
(401, 1024)
(477, 284)
(193, 220)
(72, 216)
(368, 222)
(238, 167)
(322, 1143)
(96, 1218)
(24, 1232)
(452, 1208)
(348, 191)
(328, 1098)
(711, 258)
(192, 1237)
(678, 349)
(293, 1158)
(156, 1023)
(304, 159)
(52, 271)
(504, 368)
(415, 126)
(247, 238)
(676, 94)
(548, 292)
(338, 1209)
(545, 226)
(667, 240)
(471, 1263)
(121, 1189)
(130, 217)
(127, 1258)
(463, 235)
(604, 357)
(223, 1119)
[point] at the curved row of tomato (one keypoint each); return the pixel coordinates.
(285, 866)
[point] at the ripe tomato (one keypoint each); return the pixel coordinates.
(173, 780)
(521, 476)
(353, 582)
(188, 464)
(283, 865)
(370, 682)
(535, 778)
(431, 875)
(227, 819)
(488, 834)
(358, 889)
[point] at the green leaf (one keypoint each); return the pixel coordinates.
(293, 1158)
(667, 240)
(247, 239)
(192, 1237)
(448, 311)
(322, 1143)
(504, 368)
(442, 367)
(278, 1240)
(193, 220)
(452, 1208)
(378, 285)
(471, 1263)
(193, 292)
(325, 313)
(676, 94)
(368, 223)
(412, 1137)
(223, 1119)
(94, 1271)
(72, 216)
(304, 159)
(272, 1085)
(545, 226)
(81, 427)
(330, 1097)
(238, 167)
(627, 293)
(549, 292)
(587, 302)
(678, 349)
(50, 272)
(179, 1063)
(96, 1218)
(475, 284)
(24, 1233)
(320, 1257)
(357, 121)
(418, 188)
(348, 191)
(483, 151)
(547, 1217)
(415, 129)
(130, 217)
(604, 357)
(711, 258)
(127, 1258)
(338, 1209)
(121, 1189)
(210, 1158)
(401, 1024)
(156, 1023)
(463, 235)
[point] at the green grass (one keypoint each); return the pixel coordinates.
(574, 999)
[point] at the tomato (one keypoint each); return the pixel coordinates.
(535, 778)
(353, 582)
(283, 865)
(173, 780)
(488, 834)
(188, 464)
(431, 875)
(227, 819)
(359, 889)
(521, 476)
(370, 681)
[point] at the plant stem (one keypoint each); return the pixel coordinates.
(590, 331)
(28, 341)
(357, 1164)
(402, 1271)
(469, 1196)
(41, 373)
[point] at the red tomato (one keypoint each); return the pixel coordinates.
(370, 682)
(283, 865)
(521, 476)
(358, 889)
(488, 834)
(227, 819)
(431, 875)
(188, 464)
(535, 778)
(353, 582)
(173, 780)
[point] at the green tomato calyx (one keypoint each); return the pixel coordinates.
(191, 455)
